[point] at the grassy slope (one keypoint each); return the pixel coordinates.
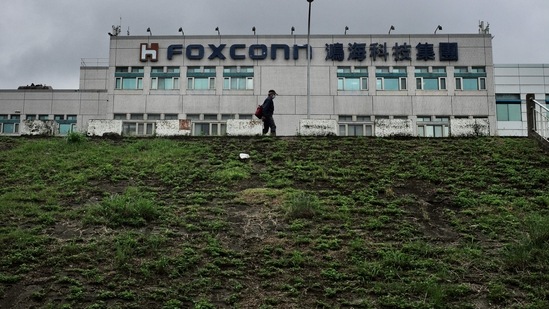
(304, 223)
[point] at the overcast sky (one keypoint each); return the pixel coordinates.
(43, 41)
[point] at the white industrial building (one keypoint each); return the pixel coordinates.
(367, 85)
(513, 83)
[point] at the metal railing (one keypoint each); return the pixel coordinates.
(541, 120)
(94, 62)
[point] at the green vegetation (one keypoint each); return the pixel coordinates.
(323, 222)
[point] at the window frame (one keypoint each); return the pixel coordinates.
(141, 128)
(191, 83)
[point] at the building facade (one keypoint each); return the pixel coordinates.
(513, 83)
(366, 85)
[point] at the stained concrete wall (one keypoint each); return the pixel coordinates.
(394, 127)
(173, 127)
(237, 127)
(469, 127)
(318, 127)
(100, 127)
(39, 127)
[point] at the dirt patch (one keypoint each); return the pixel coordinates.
(257, 214)
(428, 209)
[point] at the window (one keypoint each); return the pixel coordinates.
(508, 107)
(434, 80)
(470, 80)
(153, 116)
(120, 116)
(201, 78)
(138, 128)
(470, 83)
(31, 117)
(362, 126)
(210, 116)
(384, 83)
(209, 128)
(382, 70)
(43, 117)
(478, 70)
(482, 83)
(345, 118)
(391, 78)
(66, 124)
(433, 127)
(129, 78)
(403, 83)
(349, 79)
(459, 83)
(137, 116)
(442, 83)
(238, 78)
(171, 116)
(439, 70)
(168, 80)
(424, 83)
(208, 124)
(9, 125)
(193, 116)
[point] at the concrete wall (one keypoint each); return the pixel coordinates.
(394, 127)
(469, 127)
(100, 127)
(244, 127)
(39, 127)
(316, 127)
(92, 78)
(172, 127)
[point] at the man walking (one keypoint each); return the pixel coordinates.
(268, 110)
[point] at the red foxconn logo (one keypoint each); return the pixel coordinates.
(148, 53)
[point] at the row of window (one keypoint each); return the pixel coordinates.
(9, 124)
(427, 126)
(396, 78)
(349, 79)
(198, 78)
(361, 125)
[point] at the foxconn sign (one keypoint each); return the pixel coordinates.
(378, 51)
(150, 52)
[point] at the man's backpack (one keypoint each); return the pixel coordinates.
(259, 112)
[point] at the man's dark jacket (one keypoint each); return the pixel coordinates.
(268, 107)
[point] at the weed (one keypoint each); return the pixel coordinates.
(302, 205)
(133, 208)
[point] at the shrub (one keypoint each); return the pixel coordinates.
(76, 138)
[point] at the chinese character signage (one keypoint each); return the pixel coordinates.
(400, 52)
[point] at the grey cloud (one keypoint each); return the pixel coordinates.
(43, 41)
